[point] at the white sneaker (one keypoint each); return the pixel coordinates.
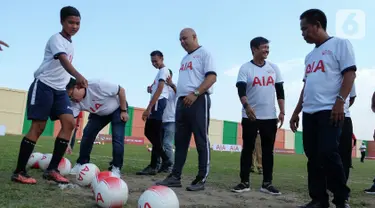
(75, 169)
(116, 171)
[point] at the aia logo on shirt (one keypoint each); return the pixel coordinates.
(96, 107)
(263, 81)
(315, 66)
(186, 66)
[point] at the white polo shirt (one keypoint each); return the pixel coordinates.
(162, 74)
(194, 68)
(170, 109)
(51, 72)
(101, 98)
(347, 103)
(260, 88)
(323, 74)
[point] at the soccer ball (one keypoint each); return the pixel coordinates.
(101, 176)
(111, 192)
(86, 174)
(158, 197)
(33, 161)
(64, 166)
(44, 161)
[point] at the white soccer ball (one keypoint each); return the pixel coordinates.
(87, 172)
(111, 192)
(44, 161)
(101, 176)
(158, 197)
(33, 161)
(64, 166)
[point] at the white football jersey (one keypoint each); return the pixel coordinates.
(170, 109)
(193, 70)
(323, 74)
(352, 94)
(51, 72)
(162, 74)
(260, 88)
(101, 98)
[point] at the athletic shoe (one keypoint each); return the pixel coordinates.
(165, 167)
(241, 187)
(54, 175)
(196, 185)
(269, 189)
(170, 181)
(75, 169)
(116, 171)
(313, 204)
(147, 171)
(22, 177)
(370, 190)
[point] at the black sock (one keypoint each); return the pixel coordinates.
(26, 148)
(58, 153)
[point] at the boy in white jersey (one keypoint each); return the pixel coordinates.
(47, 98)
(259, 82)
(328, 80)
(153, 115)
(106, 103)
(196, 78)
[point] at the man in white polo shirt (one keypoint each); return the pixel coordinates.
(328, 80)
(259, 82)
(106, 103)
(153, 115)
(196, 78)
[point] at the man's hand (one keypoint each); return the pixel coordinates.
(189, 99)
(294, 122)
(146, 114)
(81, 81)
(68, 150)
(124, 116)
(337, 114)
(281, 119)
(250, 113)
(4, 44)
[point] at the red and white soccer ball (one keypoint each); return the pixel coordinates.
(86, 174)
(111, 192)
(33, 161)
(101, 176)
(44, 161)
(64, 166)
(158, 197)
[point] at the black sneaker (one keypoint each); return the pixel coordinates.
(165, 168)
(269, 189)
(147, 171)
(313, 204)
(370, 190)
(170, 181)
(241, 187)
(196, 185)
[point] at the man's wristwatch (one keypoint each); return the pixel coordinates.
(126, 110)
(196, 93)
(341, 98)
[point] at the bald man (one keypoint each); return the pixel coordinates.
(196, 77)
(4, 44)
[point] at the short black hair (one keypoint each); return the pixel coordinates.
(69, 11)
(156, 53)
(170, 72)
(256, 42)
(314, 17)
(72, 83)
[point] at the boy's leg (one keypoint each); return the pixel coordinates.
(118, 136)
(39, 103)
(94, 125)
(60, 110)
(168, 133)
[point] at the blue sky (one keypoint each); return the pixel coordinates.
(116, 38)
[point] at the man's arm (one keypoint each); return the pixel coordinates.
(241, 89)
(122, 98)
(280, 97)
(209, 80)
(347, 82)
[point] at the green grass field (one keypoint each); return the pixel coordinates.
(289, 177)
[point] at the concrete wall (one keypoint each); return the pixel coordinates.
(12, 109)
